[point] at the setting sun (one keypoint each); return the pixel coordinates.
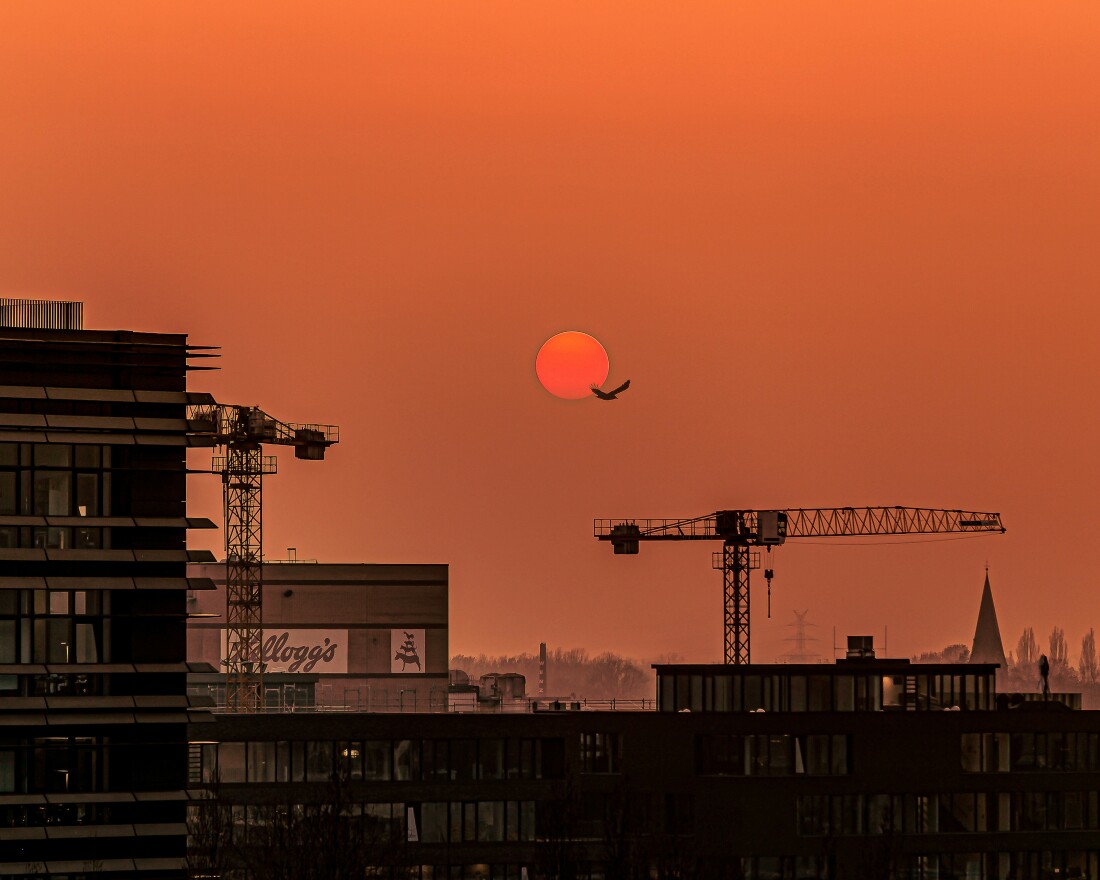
(570, 363)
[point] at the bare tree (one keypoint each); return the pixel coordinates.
(1087, 665)
(209, 836)
(558, 858)
(1027, 649)
(1059, 652)
(604, 677)
(330, 839)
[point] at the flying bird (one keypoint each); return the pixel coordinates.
(610, 395)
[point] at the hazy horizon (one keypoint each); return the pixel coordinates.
(844, 252)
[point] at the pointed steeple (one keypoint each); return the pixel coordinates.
(988, 647)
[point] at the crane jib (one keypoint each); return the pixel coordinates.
(740, 530)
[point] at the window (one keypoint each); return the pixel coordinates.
(752, 693)
(470, 822)
(7, 770)
(984, 752)
(231, 763)
(56, 626)
(844, 696)
(893, 688)
(771, 754)
(406, 760)
(433, 822)
(65, 764)
(376, 760)
(436, 765)
(490, 824)
(491, 758)
(820, 693)
(7, 641)
(463, 760)
(54, 480)
(798, 693)
(9, 498)
(601, 753)
(52, 493)
(318, 761)
(349, 759)
(261, 762)
(720, 755)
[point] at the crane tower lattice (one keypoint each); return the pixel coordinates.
(242, 431)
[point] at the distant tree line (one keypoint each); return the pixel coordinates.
(1022, 673)
(569, 673)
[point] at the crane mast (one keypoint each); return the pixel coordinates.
(242, 431)
(742, 530)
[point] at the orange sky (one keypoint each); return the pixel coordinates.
(846, 253)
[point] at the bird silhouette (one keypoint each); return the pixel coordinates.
(610, 395)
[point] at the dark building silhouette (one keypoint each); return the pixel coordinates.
(866, 768)
(93, 551)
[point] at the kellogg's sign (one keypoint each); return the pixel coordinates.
(304, 650)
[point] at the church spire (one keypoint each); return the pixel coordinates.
(988, 647)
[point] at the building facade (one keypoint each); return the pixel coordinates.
(362, 637)
(863, 769)
(93, 585)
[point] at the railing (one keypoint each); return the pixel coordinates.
(695, 527)
(41, 314)
(521, 707)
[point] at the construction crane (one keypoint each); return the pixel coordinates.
(242, 431)
(741, 530)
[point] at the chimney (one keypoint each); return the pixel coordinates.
(542, 669)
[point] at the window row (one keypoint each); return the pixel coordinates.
(48, 603)
(53, 626)
(412, 760)
(603, 814)
(480, 822)
(948, 813)
(474, 871)
(429, 822)
(55, 537)
(772, 754)
(54, 480)
(929, 692)
(1043, 751)
(54, 455)
(41, 815)
(53, 764)
(54, 640)
(1037, 865)
(54, 684)
(823, 693)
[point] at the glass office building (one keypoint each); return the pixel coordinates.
(93, 582)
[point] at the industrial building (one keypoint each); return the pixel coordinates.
(93, 542)
(866, 768)
(361, 637)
